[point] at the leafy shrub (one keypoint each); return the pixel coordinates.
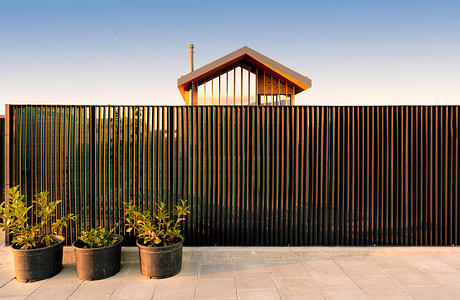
(13, 215)
(97, 237)
(158, 228)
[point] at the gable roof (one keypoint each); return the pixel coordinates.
(300, 81)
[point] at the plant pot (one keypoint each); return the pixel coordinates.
(98, 263)
(160, 262)
(37, 264)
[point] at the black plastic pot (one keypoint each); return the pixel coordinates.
(98, 263)
(37, 264)
(160, 262)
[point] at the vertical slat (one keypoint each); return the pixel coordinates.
(8, 154)
(241, 86)
(456, 170)
(300, 175)
(210, 179)
(249, 85)
(253, 175)
(271, 89)
(265, 93)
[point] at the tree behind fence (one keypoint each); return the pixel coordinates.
(297, 175)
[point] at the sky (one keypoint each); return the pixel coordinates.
(132, 52)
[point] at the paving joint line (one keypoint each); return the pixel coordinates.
(349, 277)
(73, 292)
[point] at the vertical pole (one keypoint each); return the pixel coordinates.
(286, 93)
(279, 91)
(92, 164)
(170, 155)
(265, 95)
(204, 89)
(234, 86)
(7, 150)
(271, 89)
(257, 87)
(192, 85)
(249, 85)
(241, 86)
(293, 96)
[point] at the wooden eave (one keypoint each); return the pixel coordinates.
(299, 81)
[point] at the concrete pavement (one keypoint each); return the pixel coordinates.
(264, 273)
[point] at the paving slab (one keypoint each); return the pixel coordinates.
(452, 260)
(313, 296)
(332, 280)
(428, 263)
(189, 267)
(173, 295)
(322, 265)
(217, 270)
(98, 289)
(55, 290)
(251, 266)
(15, 289)
(296, 286)
(360, 267)
(377, 285)
(259, 294)
(6, 274)
(223, 288)
(431, 293)
(344, 294)
(391, 297)
(450, 281)
(388, 262)
(410, 277)
(181, 282)
(385, 273)
(288, 268)
(135, 289)
(255, 281)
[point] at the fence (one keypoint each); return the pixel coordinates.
(2, 155)
(297, 175)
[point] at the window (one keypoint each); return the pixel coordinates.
(267, 99)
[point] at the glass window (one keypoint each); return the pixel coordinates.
(267, 99)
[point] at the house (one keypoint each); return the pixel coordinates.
(243, 77)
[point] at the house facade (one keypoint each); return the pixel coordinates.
(243, 77)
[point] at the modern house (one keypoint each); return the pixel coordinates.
(243, 77)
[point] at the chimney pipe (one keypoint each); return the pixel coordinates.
(191, 57)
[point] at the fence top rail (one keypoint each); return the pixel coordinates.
(257, 106)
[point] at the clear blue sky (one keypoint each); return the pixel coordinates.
(132, 52)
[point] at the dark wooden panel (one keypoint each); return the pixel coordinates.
(294, 175)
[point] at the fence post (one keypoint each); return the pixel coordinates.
(7, 150)
(92, 163)
(171, 139)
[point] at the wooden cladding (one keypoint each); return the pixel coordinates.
(243, 84)
(292, 175)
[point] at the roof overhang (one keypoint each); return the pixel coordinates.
(300, 81)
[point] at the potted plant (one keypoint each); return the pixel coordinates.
(159, 237)
(98, 253)
(37, 248)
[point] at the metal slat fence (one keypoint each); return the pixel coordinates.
(296, 175)
(2, 155)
